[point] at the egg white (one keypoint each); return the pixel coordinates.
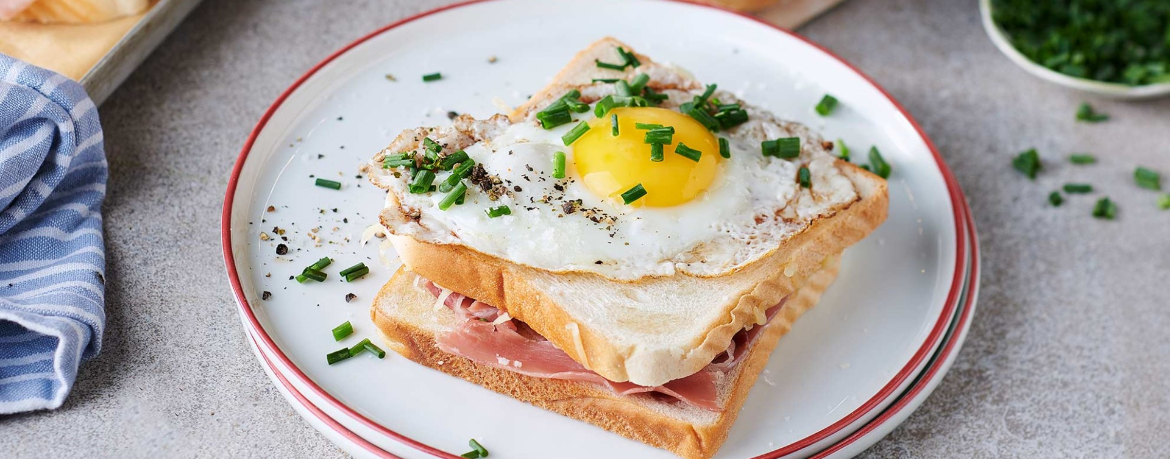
(754, 204)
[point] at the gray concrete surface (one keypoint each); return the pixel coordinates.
(1069, 355)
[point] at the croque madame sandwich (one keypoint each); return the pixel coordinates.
(626, 248)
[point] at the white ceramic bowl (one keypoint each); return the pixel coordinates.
(1110, 90)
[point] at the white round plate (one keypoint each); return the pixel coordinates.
(871, 335)
(320, 415)
(1101, 88)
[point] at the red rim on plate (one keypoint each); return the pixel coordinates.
(886, 391)
(931, 372)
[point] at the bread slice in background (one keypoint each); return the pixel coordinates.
(75, 11)
(407, 321)
(654, 329)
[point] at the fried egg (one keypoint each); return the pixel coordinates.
(702, 215)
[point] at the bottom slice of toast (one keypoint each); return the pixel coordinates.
(404, 314)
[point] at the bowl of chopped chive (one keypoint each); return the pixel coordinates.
(1112, 48)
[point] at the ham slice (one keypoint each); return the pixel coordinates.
(513, 346)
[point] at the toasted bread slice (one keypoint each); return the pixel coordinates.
(653, 329)
(408, 323)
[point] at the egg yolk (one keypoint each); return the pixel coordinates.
(609, 165)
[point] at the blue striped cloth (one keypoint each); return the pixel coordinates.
(52, 182)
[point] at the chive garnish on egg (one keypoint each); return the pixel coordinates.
(804, 177)
(421, 182)
(724, 147)
(634, 194)
(1082, 158)
(1078, 188)
(559, 165)
(657, 152)
(432, 77)
(688, 152)
(662, 135)
(613, 121)
(493, 212)
(452, 196)
(576, 133)
(1055, 199)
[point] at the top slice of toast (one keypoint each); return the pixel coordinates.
(655, 329)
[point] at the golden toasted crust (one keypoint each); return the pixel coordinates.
(79, 11)
(403, 315)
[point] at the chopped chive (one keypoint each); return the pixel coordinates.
(603, 106)
(431, 145)
(1082, 158)
(634, 194)
(314, 274)
(702, 100)
(724, 148)
(731, 118)
(347, 271)
(1086, 113)
(647, 126)
(844, 150)
(343, 330)
(1055, 199)
(1148, 179)
(1078, 188)
(628, 57)
(653, 96)
(826, 105)
(321, 264)
(804, 177)
(1028, 163)
(879, 164)
(639, 83)
(621, 88)
(1105, 209)
(605, 80)
(452, 159)
(493, 212)
(359, 347)
(559, 164)
(613, 122)
(572, 99)
(399, 160)
(606, 65)
(1164, 201)
(703, 118)
(452, 196)
(656, 153)
(786, 148)
(576, 133)
(421, 183)
(688, 152)
(552, 118)
(357, 274)
(374, 349)
(328, 184)
(663, 136)
(433, 77)
(459, 173)
(338, 355)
